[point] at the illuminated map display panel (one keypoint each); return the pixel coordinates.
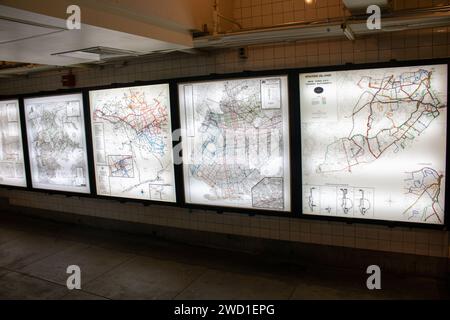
(374, 143)
(57, 143)
(12, 167)
(132, 140)
(236, 143)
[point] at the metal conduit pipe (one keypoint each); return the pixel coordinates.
(394, 14)
(328, 28)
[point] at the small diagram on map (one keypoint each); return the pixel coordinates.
(271, 94)
(423, 190)
(268, 193)
(159, 192)
(346, 202)
(364, 202)
(312, 199)
(73, 109)
(121, 166)
(338, 201)
(132, 138)
(57, 143)
(236, 145)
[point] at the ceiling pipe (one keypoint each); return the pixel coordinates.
(395, 14)
(288, 32)
(217, 16)
(327, 28)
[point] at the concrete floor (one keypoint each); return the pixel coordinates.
(34, 255)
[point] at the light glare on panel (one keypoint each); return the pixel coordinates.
(236, 143)
(374, 143)
(132, 140)
(57, 143)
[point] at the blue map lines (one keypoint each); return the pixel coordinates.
(121, 166)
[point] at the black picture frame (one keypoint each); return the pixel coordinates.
(236, 76)
(382, 65)
(144, 202)
(52, 94)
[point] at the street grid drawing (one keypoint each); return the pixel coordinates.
(383, 120)
(236, 145)
(57, 143)
(392, 113)
(133, 143)
(12, 167)
(425, 188)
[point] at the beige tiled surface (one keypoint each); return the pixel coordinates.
(264, 13)
(407, 45)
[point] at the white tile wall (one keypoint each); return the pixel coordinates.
(413, 44)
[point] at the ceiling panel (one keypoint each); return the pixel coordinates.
(11, 30)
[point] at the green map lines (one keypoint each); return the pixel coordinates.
(236, 145)
(385, 123)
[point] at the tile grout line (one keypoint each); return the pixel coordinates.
(86, 246)
(34, 277)
(84, 291)
(49, 281)
(129, 259)
(191, 283)
(10, 240)
(293, 291)
(47, 256)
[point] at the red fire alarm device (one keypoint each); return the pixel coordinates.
(68, 80)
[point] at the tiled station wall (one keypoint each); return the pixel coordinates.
(405, 45)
